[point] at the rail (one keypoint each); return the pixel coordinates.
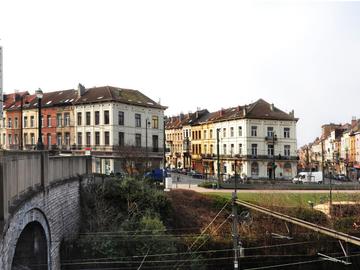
(317, 228)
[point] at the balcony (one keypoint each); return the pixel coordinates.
(271, 139)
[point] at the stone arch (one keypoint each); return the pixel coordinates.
(31, 248)
(18, 224)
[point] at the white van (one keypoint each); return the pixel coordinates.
(308, 177)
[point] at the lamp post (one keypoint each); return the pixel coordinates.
(218, 155)
(274, 138)
(146, 143)
(21, 123)
(39, 95)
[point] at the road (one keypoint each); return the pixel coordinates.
(188, 182)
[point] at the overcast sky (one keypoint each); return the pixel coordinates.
(209, 54)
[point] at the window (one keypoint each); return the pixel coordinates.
(205, 134)
(106, 117)
(224, 132)
(211, 134)
(58, 120)
(97, 137)
(254, 131)
(4, 138)
(42, 121)
(10, 139)
(9, 123)
(155, 143)
(254, 169)
(232, 132)
(16, 123)
(48, 121)
(224, 149)
(270, 132)
(32, 138)
(121, 118)
(107, 137)
(79, 118)
(97, 118)
(121, 139)
(240, 131)
(88, 138)
(25, 121)
(155, 121)
(67, 119)
(240, 149)
(287, 150)
(205, 148)
(254, 150)
(270, 150)
(4, 122)
(211, 149)
(58, 139)
(88, 118)
(67, 138)
(286, 132)
(48, 139)
(137, 120)
(232, 149)
(199, 135)
(32, 121)
(79, 138)
(138, 140)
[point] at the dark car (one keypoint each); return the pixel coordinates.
(341, 177)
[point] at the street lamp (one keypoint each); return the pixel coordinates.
(274, 138)
(218, 155)
(39, 95)
(146, 143)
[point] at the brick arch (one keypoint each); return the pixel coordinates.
(16, 227)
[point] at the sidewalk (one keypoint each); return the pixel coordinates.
(194, 187)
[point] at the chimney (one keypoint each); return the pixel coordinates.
(272, 107)
(81, 90)
(197, 114)
(244, 111)
(292, 114)
(238, 108)
(182, 116)
(353, 121)
(222, 111)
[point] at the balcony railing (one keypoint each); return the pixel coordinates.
(271, 138)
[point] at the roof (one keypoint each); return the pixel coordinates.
(110, 93)
(257, 110)
(91, 95)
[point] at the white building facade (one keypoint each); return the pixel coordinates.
(114, 130)
(256, 144)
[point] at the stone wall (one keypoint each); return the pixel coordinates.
(57, 209)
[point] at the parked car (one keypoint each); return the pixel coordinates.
(341, 177)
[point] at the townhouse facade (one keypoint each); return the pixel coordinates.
(256, 140)
(336, 151)
(122, 129)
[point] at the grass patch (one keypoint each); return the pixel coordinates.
(290, 199)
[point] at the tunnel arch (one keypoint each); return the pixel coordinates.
(31, 250)
(32, 223)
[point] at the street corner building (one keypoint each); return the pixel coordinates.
(122, 129)
(257, 140)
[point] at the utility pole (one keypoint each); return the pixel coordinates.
(235, 226)
(218, 155)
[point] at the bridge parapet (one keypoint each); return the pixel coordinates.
(24, 172)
